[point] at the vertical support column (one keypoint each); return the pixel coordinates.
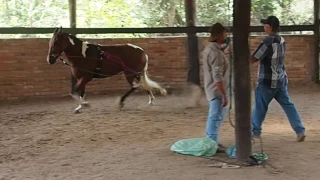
(192, 47)
(73, 25)
(242, 78)
(72, 13)
(315, 77)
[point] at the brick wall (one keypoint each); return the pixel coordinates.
(24, 72)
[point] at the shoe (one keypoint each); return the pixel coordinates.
(301, 138)
(221, 149)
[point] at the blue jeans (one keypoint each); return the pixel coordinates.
(263, 96)
(215, 118)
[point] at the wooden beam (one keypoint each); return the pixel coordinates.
(242, 78)
(73, 26)
(193, 49)
(315, 75)
(196, 29)
(73, 14)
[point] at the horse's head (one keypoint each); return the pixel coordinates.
(57, 44)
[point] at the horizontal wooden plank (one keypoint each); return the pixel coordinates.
(199, 29)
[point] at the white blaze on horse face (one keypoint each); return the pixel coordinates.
(50, 45)
(71, 41)
(48, 58)
(84, 48)
(137, 47)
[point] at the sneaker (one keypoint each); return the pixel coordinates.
(221, 149)
(301, 138)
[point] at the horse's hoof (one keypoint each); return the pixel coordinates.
(76, 111)
(163, 92)
(151, 103)
(120, 106)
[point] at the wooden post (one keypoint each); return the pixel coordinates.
(193, 50)
(242, 78)
(315, 77)
(73, 25)
(72, 13)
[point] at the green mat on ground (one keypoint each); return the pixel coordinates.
(195, 147)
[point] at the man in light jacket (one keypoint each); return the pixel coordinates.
(216, 81)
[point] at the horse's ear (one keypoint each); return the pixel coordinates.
(59, 30)
(55, 31)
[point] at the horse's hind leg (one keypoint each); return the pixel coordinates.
(134, 82)
(122, 98)
(151, 97)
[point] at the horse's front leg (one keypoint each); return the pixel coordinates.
(79, 95)
(82, 99)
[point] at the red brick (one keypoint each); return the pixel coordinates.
(25, 74)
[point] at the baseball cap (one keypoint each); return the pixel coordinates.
(273, 21)
(215, 30)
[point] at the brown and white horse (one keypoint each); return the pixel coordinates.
(90, 61)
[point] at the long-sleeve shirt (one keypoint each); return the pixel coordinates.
(215, 69)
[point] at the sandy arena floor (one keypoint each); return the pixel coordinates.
(42, 140)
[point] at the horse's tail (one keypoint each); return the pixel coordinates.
(147, 83)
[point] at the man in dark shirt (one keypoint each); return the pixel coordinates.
(273, 80)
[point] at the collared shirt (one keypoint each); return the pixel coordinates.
(271, 54)
(215, 69)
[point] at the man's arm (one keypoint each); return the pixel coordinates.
(260, 53)
(217, 72)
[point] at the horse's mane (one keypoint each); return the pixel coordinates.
(73, 37)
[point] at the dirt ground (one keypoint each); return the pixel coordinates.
(42, 140)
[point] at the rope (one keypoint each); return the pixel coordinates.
(231, 67)
(260, 137)
(100, 74)
(231, 92)
(110, 57)
(262, 153)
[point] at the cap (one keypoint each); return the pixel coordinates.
(273, 21)
(215, 31)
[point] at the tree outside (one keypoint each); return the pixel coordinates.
(141, 13)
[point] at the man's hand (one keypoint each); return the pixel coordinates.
(224, 97)
(228, 50)
(224, 101)
(220, 87)
(253, 59)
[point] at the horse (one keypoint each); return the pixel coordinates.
(89, 61)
